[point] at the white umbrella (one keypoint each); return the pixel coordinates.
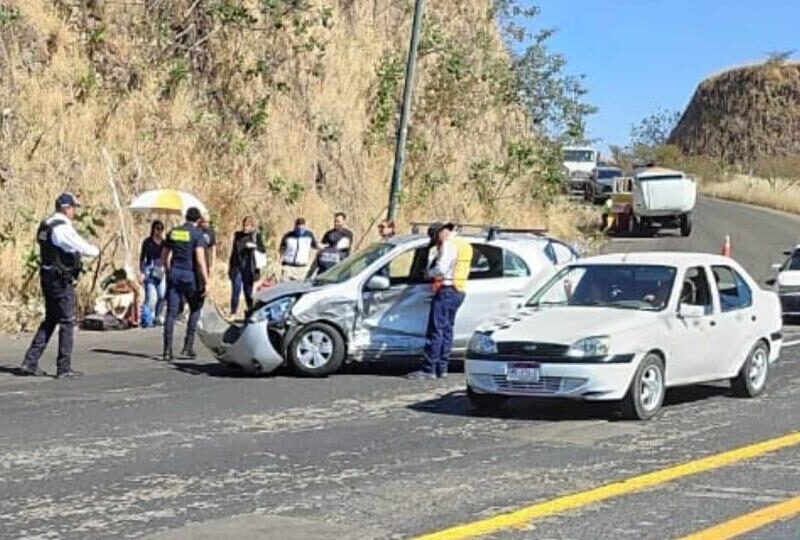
(168, 201)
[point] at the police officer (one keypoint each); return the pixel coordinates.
(61, 248)
(187, 277)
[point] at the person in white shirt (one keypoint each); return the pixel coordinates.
(61, 250)
(296, 255)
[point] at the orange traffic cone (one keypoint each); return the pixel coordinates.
(726, 247)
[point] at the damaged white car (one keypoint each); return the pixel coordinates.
(375, 304)
(627, 327)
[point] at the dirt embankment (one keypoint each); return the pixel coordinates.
(743, 115)
(277, 109)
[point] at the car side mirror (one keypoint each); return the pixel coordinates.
(770, 282)
(378, 283)
(777, 266)
(787, 253)
(688, 311)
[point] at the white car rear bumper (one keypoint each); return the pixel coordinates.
(591, 381)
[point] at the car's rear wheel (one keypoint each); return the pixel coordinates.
(646, 393)
(686, 224)
(317, 350)
(485, 402)
(752, 378)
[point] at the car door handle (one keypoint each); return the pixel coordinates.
(713, 323)
(754, 318)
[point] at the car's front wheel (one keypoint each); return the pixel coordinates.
(317, 350)
(485, 402)
(752, 378)
(646, 393)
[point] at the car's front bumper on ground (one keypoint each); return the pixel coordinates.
(247, 346)
(595, 381)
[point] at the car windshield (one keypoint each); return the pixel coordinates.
(583, 156)
(354, 265)
(609, 173)
(660, 177)
(794, 262)
(623, 286)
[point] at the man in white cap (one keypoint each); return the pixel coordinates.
(61, 248)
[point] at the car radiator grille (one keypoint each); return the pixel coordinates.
(545, 385)
(527, 349)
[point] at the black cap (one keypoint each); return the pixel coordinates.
(67, 200)
(435, 228)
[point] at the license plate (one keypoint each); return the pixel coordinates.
(529, 373)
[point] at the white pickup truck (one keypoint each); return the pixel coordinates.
(579, 163)
(663, 198)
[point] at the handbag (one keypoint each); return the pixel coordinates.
(260, 259)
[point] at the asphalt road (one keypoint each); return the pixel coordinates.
(141, 449)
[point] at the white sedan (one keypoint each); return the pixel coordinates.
(626, 327)
(787, 282)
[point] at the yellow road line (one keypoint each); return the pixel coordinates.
(749, 522)
(523, 516)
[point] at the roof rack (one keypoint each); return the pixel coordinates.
(491, 231)
(494, 231)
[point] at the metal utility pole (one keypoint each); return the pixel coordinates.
(408, 89)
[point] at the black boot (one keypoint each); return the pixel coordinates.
(31, 371)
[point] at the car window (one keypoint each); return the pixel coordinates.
(514, 266)
(399, 270)
(561, 253)
(487, 262)
(696, 289)
(794, 261)
(734, 292)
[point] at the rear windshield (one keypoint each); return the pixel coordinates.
(608, 173)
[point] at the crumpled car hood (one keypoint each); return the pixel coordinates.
(289, 288)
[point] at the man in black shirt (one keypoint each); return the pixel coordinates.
(187, 278)
(340, 237)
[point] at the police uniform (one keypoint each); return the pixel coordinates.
(61, 248)
(184, 283)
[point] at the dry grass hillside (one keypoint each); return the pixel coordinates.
(276, 108)
(744, 115)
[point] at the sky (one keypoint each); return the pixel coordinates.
(642, 55)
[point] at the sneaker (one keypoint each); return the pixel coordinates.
(28, 371)
(70, 374)
(189, 353)
(421, 376)
(167, 357)
(442, 375)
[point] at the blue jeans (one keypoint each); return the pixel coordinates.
(439, 337)
(155, 295)
(242, 282)
(182, 287)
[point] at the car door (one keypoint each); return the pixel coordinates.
(394, 321)
(497, 283)
(694, 340)
(737, 320)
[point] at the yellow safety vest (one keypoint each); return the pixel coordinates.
(463, 264)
